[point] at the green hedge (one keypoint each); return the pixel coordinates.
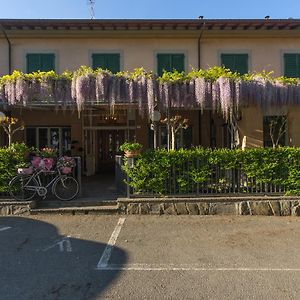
(11, 158)
(268, 166)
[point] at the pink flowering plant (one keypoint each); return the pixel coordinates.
(66, 161)
(48, 153)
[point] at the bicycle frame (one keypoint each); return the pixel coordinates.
(36, 176)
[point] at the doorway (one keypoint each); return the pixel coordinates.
(103, 133)
(107, 146)
(101, 147)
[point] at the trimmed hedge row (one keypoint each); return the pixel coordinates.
(152, 169)
(11, 158)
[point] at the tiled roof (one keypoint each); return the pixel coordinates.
(156, 24)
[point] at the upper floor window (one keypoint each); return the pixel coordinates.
(106, 61)
(170, 62)
(235, 62)
(40, 62)
(291, 65)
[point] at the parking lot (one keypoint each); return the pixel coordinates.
(149, 257)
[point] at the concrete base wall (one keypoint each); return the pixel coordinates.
(8, 208)
(265, 206)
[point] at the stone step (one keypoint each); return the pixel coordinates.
(75, 203)
(95, 210)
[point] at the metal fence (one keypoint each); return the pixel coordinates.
(220, 181)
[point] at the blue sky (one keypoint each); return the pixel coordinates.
(141, 9)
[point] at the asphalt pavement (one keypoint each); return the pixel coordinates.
(149, 257)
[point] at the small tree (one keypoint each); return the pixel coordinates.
(277, 129)
(8, 124)
(177, 122)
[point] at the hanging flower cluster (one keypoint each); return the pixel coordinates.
(217, 89)
(39, 87)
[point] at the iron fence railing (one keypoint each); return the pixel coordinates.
(220, 181)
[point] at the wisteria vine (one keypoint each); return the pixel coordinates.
(217, 89)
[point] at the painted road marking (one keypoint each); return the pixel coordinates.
(103, 262)
(64, 244)
(4, 228)
(172, 267)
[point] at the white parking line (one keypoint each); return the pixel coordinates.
(171, 267)
(64, 244)
(103, 262)
(4, 228)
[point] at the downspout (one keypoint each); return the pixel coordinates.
(199, 66)
(199, 44)
(9, 48)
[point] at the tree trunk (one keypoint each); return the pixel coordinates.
(173, 138)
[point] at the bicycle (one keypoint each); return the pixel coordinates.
(24, 187)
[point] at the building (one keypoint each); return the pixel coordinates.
(157, 45)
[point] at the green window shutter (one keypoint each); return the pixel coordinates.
(169, 63)
(291, 65)
(33, 63)
(40, 62)
(163, 63)
(241, 63)
(106, 61)
(235, 62)
(178, 62)
(47, 62)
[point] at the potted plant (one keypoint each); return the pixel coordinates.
(131, 149)
(44, 159)
(66, 163)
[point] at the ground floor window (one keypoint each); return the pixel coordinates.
(184, 138)
(53, 137)
(275, 131)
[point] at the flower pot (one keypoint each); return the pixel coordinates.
(132, 153)
(66, 170)
(48, 163)
(36, 160)
(25, 171)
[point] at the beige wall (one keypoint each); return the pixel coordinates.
(251, 127)
(72, 53)
(3, 57)
(264, 53)
(294, 126)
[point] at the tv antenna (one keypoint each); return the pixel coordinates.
(91, 4)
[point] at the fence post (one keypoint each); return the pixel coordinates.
(78, 175)
(239, 179)
(130, 162)
(197, 184)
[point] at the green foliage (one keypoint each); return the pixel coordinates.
(127, 146)
(210, 74)
(160, 171)
(11, 158)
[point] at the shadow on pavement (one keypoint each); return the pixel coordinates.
(38, 263)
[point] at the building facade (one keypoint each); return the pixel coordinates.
(240, 45)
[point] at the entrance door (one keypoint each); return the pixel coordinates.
(108, 142)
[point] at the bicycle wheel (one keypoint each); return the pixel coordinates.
(66, 188)
(22, 187)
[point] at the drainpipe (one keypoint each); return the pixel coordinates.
(9, 48)
(199, 44)
(199, 66)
